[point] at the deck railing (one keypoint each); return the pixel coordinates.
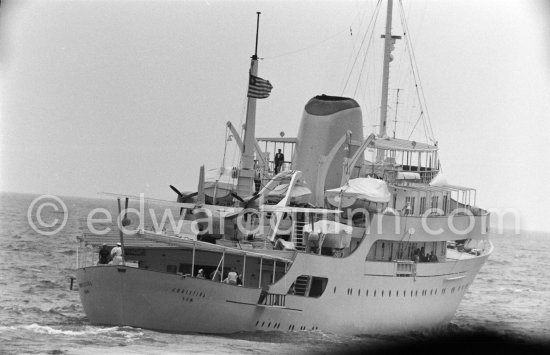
(272, 299)
(405, 268)
(426, 176)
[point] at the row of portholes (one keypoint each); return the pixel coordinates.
(275, 325)
(278, 326)
(424, 292)
(189, 292)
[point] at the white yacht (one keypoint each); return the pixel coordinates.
(334, 241)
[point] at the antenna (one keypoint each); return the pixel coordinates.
(255, 56)
(396, 105)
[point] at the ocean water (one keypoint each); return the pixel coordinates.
(509, 300)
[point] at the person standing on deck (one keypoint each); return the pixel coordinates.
(116, 254)
(231, 277)
(104, 255)
(279, 160)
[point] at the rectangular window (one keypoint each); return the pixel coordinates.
(435, 201)
(318, 286)
(409, 205)
(422, 208)
(445, 204)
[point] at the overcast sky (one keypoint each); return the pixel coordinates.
(131, 96)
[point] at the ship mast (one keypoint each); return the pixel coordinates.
(245, 181)
(389, 42)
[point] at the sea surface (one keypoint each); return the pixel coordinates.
(39, 314)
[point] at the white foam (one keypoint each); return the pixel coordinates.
(87, 330)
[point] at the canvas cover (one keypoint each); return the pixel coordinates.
(297, 191)
(220, 179)
(336, 235)
(407, 175)
(439, 180)
(328, 227)
(369, 189)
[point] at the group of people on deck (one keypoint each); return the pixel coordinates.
(420, 256)
(232, 277)
(110, 257)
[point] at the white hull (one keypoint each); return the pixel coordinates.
(367, 302)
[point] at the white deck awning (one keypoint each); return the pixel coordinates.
(369, 189)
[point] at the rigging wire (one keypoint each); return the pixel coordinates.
(363, 64)
(373, 22)
(307, 47)
(414, 68)
(414, 127)
(361, 16)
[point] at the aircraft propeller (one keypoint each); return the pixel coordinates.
(183, 198)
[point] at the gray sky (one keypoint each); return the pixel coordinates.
(131, 96)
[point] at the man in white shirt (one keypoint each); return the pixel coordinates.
(231, 277)
(116, 255)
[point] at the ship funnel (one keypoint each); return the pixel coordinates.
(326, 119)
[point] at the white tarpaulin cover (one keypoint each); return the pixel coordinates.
(439, 180)
(328, 234)
(328, 227)
(408, 175)
(222, 175)
(370, 189)
(219, 179)
(297, 191)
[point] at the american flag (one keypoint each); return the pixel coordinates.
(258, 88)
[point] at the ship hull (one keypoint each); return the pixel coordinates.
(364, 304)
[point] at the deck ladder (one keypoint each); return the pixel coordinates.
(302, 285)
